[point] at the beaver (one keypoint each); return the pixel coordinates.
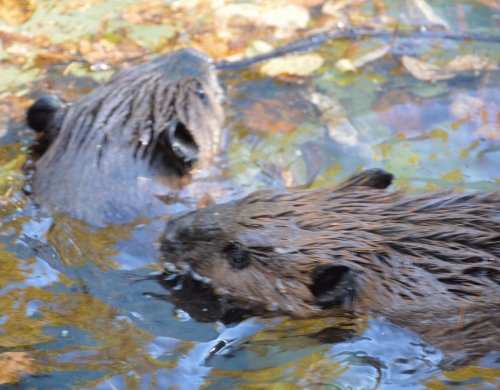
(426, 261)
(115, 153)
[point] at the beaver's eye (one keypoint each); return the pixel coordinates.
(237, 256)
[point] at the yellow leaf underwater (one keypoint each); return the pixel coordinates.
(14, 365)
(16, 11)
(347, 65)
(297, 65)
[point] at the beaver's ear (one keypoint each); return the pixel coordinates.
(333, 285)
(373, 178)
(182, 143)
(42, 115)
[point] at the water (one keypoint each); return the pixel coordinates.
(88, 304)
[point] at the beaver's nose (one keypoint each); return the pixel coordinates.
(177, 234)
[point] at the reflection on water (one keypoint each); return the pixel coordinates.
(90, 322)
(91, 307)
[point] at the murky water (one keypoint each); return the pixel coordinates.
(89, 305)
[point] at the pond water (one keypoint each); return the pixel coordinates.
(90, 306)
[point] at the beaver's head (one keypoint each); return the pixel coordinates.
(168, 111)
(122, 150)
(301, 251)
(277, 251)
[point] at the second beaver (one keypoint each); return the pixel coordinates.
(115, 153)
(429, 261)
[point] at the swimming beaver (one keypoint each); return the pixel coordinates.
(114, 153)
(429, 261)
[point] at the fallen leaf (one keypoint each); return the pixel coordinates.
(9, 38)
(17, 11)
(335, 117)
(43, 59)
(353, 13)
(371, 56)
(425, 71)
(149, 12)
(431, 72)
(258, 47)
(14, 365)
(297, 65)
(286, 20)
(103, 50)
(470, 63)
(214, 46)
(347, 65)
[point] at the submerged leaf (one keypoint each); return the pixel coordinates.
(431, 72)
(17, 11)
(298, 65)
(105, 51)
(425, 71)
(335, 117)
(470, 63)
(148, 12)
(14, 365)
(346, 65)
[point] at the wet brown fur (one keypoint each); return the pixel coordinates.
(429, 261)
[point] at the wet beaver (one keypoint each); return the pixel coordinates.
(114, 153)
(429, 261)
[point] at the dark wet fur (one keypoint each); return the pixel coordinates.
(429, 261)
(115, 152)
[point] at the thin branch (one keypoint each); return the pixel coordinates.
(317, 40)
